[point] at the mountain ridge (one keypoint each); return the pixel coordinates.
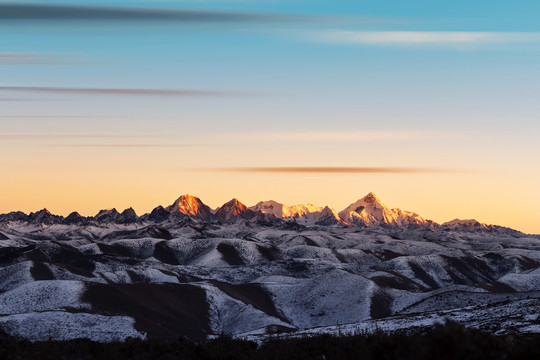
(368, 211)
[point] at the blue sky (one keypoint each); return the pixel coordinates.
(450, 85)
(280, 58)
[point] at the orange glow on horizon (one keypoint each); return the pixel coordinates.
(498, 188)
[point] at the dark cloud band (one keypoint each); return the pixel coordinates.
(32, 12)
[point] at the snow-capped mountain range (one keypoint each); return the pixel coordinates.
(366, 212)
(189, 270)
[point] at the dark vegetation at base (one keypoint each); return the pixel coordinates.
(451, 341)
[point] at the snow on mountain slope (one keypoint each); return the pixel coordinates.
(371, 211)
(235, 308)
(334, 298)
(499, 317)
(283, 211)
(368, 211)
(190, 272)
(467, 225)
(41, 296)
(59, 325)
(15, 275)
(327, 217)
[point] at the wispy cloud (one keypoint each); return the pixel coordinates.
(30, 58)
(426, 37)
(329, 170)
(70, 136)
(50, 136)
(47, 116)
(133, 145)
(15, 99)
(101, 141)
(345, 135)
(108, 91)
(336, 136)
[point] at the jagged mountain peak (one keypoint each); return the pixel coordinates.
(43, 211)
(43, 216)
(328, 216)
(73, 218)
(107, 215)
(462, 222)
(372, 199)
(186, 202)
(110, 211)
(129, 212)
(191, 206)
(234, 203)
(158, 214)
(128, 216)
(233, 209)
(370, 210)
(367, 211)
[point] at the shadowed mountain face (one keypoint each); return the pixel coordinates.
(234, 210)
(186, 270)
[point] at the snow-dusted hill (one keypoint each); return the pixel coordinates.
(186, 270)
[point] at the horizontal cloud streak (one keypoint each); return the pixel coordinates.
(43, 12)
(67, 136)
(133, 145)
(48, 116)
(329, 170)
(347, 135)
(63, 13)
(426, 37)
(109, 91)
(27, 58)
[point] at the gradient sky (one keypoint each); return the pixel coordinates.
(432, 105)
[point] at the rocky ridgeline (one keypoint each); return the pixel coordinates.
(369, 211)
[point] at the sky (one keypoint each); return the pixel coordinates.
(431, 105)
